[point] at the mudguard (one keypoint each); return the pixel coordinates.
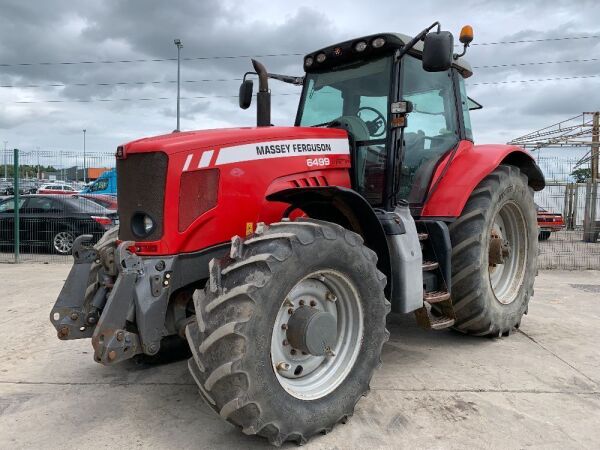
(345, 207)
(452, 185)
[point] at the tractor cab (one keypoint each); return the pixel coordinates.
(367, 86)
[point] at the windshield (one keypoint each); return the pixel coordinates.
(357, 91)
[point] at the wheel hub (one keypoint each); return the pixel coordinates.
(507, 252)
(317, 334)
(312, 331)
(499, 249)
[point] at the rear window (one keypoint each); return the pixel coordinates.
(80, 204)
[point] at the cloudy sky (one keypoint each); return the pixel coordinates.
(58, 31)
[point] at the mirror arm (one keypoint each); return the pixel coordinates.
(419, 37)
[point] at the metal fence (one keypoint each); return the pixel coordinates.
(571, 241)
(47, 227)
(44, 226)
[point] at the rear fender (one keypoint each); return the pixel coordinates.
(346, 208)
(452, 187)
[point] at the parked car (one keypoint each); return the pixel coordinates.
(54, 221)
(106, 183)
(108, 201)
(548, 222)
(56, 188)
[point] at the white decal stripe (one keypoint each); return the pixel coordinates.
(205, 159)
(188, 160)
(283, 149)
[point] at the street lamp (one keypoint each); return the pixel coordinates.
(84, 165)
(5, 166)
(179, 45)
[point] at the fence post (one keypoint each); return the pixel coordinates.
(16, 227)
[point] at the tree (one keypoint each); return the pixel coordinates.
(581, 175)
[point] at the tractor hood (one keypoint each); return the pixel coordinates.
(226, 137)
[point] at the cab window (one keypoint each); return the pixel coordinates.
(465, 105)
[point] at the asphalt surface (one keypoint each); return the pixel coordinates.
(538, 388)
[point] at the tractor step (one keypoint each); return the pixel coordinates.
(426, 320)
(436, 296)
(430, 265)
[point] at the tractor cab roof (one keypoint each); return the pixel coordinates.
(368, 47)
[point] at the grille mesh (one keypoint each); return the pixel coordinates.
(141, 179)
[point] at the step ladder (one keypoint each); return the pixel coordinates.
(437, 312)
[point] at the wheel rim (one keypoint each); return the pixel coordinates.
(63, 242)
(302, 374)
(506, 277)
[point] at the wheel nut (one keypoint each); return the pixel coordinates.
(313, 303)
(293, 351)
(285, 342)
(283, 367)
(290, 310)
(284, 326)
(301, 302)
(331, 297)
(74, 316)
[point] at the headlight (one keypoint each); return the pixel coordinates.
(360, 46)
(378, 42)
(142, 224)
(321, 57)
(148, 224)
(308, 62)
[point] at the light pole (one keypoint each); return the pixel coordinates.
(38, 163)
(84, 165)
(179, 45)
(5, 171)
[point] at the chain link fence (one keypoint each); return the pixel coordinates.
(52, 199)
(568, 209)
(568, 216)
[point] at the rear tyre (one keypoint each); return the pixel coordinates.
(494, 254)
(289, 329)
(544, 235)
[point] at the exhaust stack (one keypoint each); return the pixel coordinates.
(263, 96)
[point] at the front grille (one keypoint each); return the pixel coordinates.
(141, 179)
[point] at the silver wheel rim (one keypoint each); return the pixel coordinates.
(63, 242)
(328, 291)
(506, 278)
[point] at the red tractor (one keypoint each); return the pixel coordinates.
(277, 252)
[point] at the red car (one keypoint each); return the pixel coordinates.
(56, 188)
(548, 222)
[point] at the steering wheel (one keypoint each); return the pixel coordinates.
(376, 126)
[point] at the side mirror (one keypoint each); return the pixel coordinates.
(246, 94)
(437, 51)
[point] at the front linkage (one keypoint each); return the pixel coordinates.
(116, 298)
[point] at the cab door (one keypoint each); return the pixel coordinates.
(433, 128)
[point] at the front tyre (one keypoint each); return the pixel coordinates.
(289, 329)
(494, 254)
